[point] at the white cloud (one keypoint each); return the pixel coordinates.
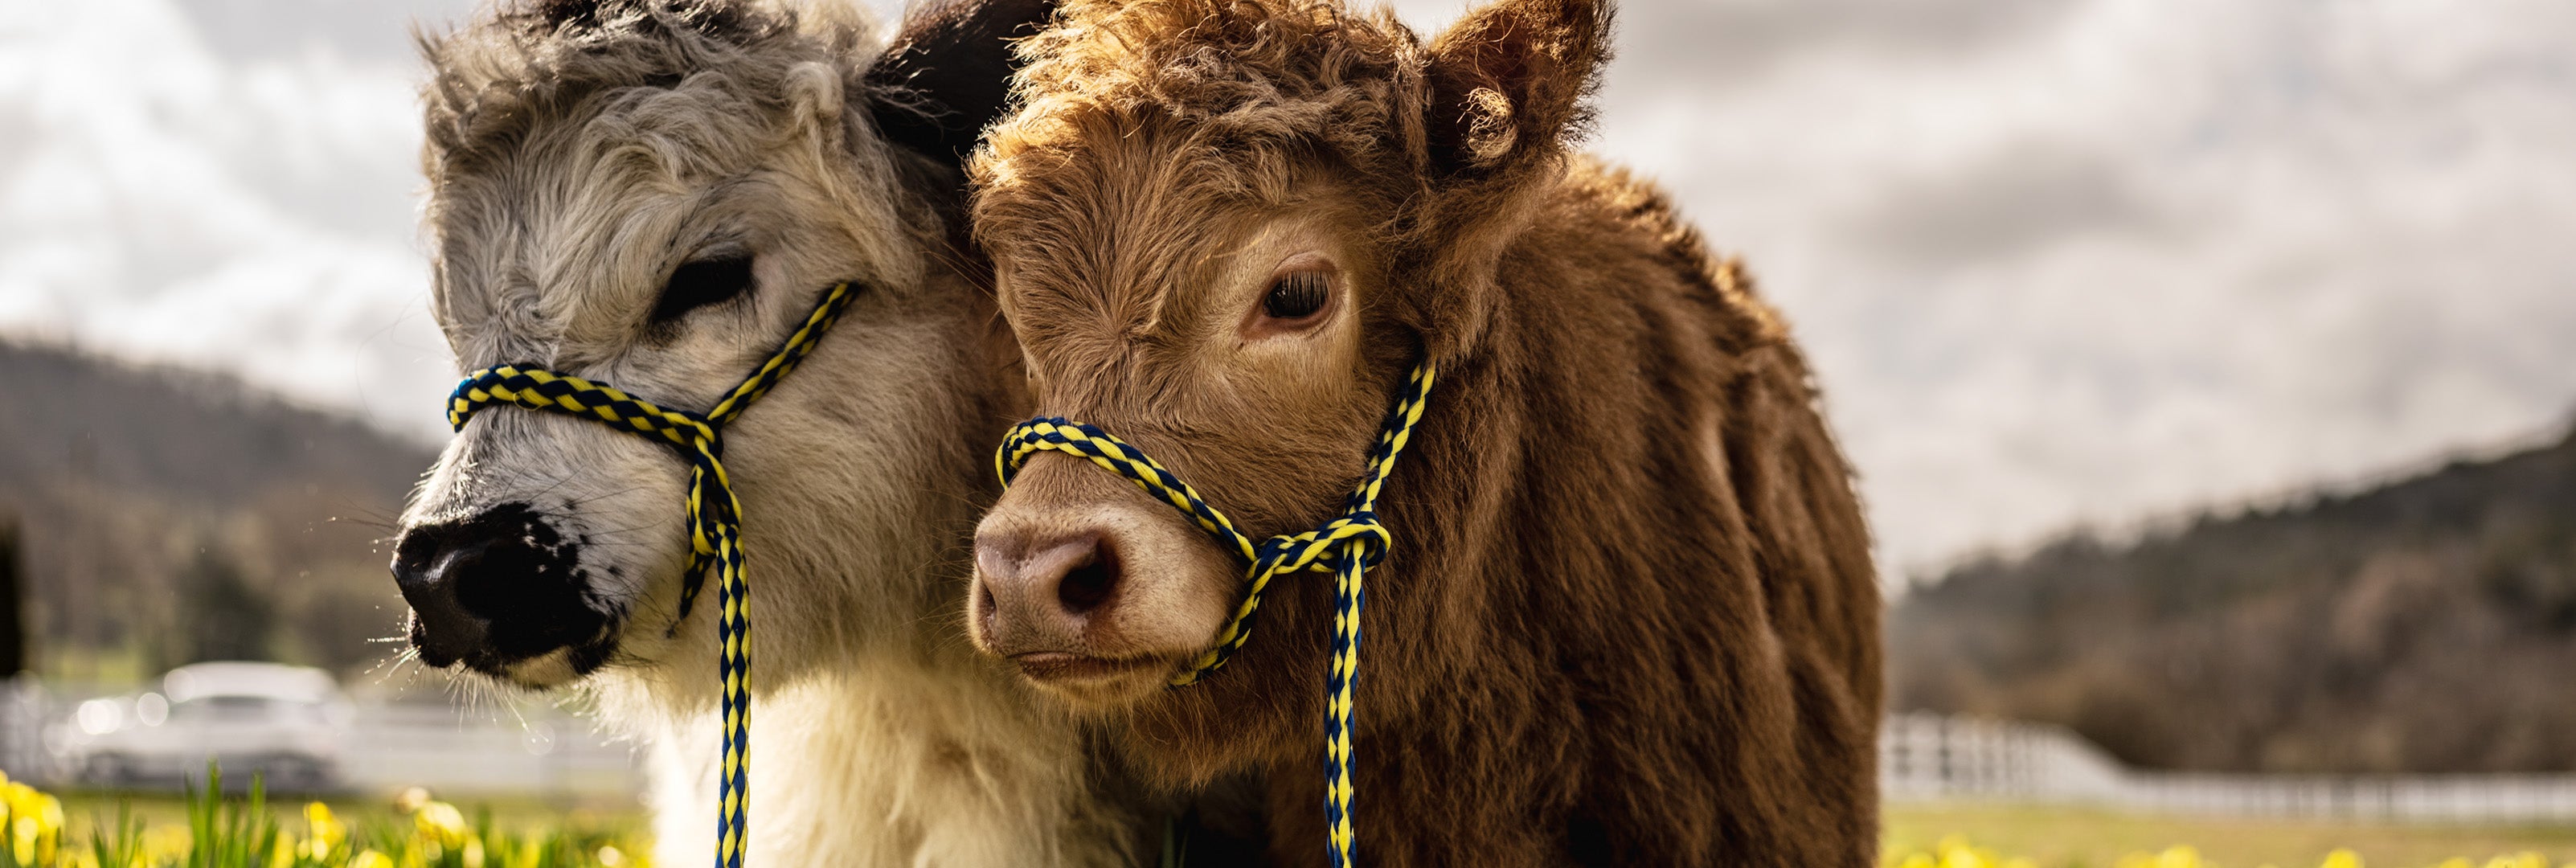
(2090, 261)
(2058, 262)
(252, 215)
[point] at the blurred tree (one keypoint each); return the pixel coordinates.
(13, 611)
(161, 460)
(222, 617)
(2423, 625)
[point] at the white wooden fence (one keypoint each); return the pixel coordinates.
(1932, 757)
(548, 752)
(545, 752)
(390, 744)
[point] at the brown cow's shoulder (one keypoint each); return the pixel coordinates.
(1633, 615)
(1629, 615)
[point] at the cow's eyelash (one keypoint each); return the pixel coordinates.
(702, 283)
(1297, 296)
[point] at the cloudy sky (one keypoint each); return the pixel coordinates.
(2060, 262)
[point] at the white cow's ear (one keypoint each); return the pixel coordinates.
(947, 76)
(1510, 82)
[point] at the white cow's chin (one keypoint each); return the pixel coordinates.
(546, 671)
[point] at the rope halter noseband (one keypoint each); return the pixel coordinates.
(715, 517)
(1346, 546)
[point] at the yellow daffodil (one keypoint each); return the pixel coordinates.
(324, 833)
(2178, 856)
(440, 822)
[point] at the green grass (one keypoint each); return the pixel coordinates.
(84, 810)
(105, 829)
(203, 830)
(2059, 837)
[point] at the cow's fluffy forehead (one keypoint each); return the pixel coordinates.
(1210, 94)
(1154, 135)
(575, 226)
(1207, 60)
(576, 152)
(525, 63)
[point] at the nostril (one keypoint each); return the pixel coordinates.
(985, 607)
(442, 630)
(502, 585)
(1088, 582)
(1042, 588)
(417, 547)
(462, 570)
(458, 562)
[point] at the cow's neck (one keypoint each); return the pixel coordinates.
(891, 764)
(878, 737)
(901, 747)
(1584, 609)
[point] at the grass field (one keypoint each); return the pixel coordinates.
(2053, 837)
(84, 809)
(2038, 837)
(412, 830)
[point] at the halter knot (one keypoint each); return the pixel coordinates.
(1346, 546)
(1324, 548)
(715, 516)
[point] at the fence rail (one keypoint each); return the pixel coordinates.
(549, 753)
(387, 745)
(1926, 757)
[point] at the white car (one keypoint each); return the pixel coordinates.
(286, 724)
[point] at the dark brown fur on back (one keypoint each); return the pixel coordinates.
(952, 58)
(1630, 616)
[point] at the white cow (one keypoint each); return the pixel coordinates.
(653, 194)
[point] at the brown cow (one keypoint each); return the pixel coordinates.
(1629, 616)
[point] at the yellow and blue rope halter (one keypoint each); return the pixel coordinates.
(1346, 546)
(715, 517)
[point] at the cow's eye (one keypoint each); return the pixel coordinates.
(700, 283)
(1297, 296)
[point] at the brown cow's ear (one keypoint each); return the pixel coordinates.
(948, 74)
(1509, 81)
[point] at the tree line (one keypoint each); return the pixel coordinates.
(2425, 625)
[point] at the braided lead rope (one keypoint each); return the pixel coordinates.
(715, 517)
(1346, 546)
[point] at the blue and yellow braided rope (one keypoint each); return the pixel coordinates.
(1345, 546)
(715, 517)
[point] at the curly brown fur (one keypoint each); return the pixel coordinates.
(1630, 616)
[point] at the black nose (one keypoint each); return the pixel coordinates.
(493, 589)
(440, 627)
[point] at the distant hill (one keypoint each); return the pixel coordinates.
(2428, 624)
(199, 437)
(172, 514)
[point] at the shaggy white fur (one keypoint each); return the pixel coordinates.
(577, 154)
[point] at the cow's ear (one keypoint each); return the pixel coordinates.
(1509, 82)
(948, 74)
